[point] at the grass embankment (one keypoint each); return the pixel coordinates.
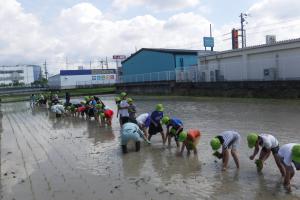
(61, 93)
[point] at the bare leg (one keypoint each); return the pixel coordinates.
(225, 159)
(235, 158)
(163, 137)
(279, 165)
(169, 139)
(195, 150)
(264, 155)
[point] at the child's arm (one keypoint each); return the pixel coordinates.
(141, 133)
(182, 147)
(256, 150)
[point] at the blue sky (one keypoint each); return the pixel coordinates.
(218, 11)
(32, 31)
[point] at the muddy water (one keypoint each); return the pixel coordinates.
(71, 158)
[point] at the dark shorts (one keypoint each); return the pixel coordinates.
(124, 120)
(153, 130)
(132, 120)
(274, 150)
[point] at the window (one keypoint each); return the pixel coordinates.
(181, 62)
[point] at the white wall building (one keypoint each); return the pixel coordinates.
(68, 79)
(276, 61)
(26, 74)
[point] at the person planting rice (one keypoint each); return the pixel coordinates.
(123, 109)
(98, 112)
(289, 155)
(227, 140)
(117, 101)
(269, 144)
(176, 126)
(143, 122)
(189, 140)
(155, 125)
(90, 108)
(58, 109)
(108, 115)
(131, 131)
(81, 108)
(131, 110)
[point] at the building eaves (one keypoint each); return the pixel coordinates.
(255, 47)
(172, 51)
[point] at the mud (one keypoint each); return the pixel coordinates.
(43, 157)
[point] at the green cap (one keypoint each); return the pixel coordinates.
(117, 99)
(182, 136)
(129, 100)
(102, 114)
(123, 94)
(296, 153)
(173, 131)
(215, 144)
(165, 120)
(252, 139)
(159, 107)
(98, 106)
(83, 102)
(86, 98)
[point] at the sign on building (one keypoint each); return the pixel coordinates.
(235, 38)
(119, 57)
(208, 42)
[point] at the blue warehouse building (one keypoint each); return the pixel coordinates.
(149, 64)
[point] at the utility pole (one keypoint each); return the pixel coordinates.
(102, 61)
(243, 17)
(106, 62)
(210, 31)
(90, 64)
(46, 72)
(66, 62)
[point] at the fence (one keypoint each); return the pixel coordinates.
(85, 84)
(277, 68)
(148, 77)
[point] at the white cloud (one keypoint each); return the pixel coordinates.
(158, 5)
(82, 33)
(21, 34)
(276, 17)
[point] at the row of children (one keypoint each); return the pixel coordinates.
(147, 125)
(90, 107)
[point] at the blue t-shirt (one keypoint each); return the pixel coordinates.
(93, 103)
(175, 123)
(148, 121)
(156, 116)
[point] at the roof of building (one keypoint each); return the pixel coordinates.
(257, 46)
(172, 51)
(86, 72)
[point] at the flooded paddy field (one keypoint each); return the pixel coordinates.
(43, 157)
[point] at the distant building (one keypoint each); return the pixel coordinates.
(67, 79)
(157, 64)
(25, 74)
(268, 62)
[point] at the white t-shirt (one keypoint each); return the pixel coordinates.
(285, 153)
(269, 141)
(123, 112)
(141, 119)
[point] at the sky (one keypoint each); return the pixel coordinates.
(72, 33)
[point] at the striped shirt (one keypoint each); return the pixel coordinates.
(229, 138)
